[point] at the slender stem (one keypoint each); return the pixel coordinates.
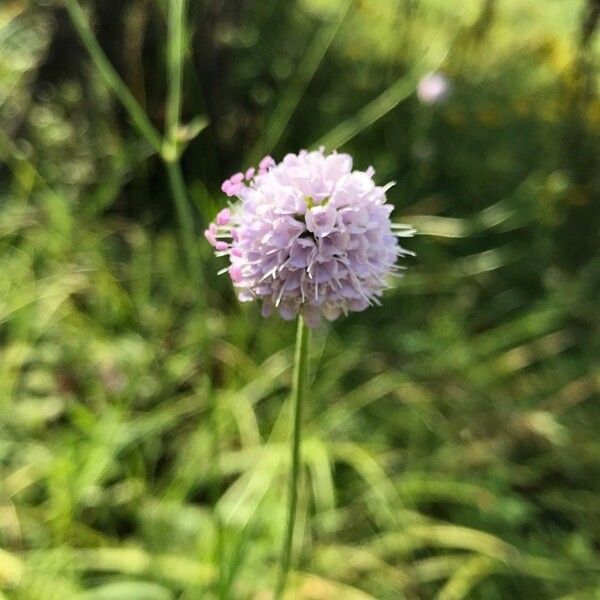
(175, 52)
(290, 98)
(170, 153)
(111, 77)
(299, 385)
(167, 147)
(186, 219)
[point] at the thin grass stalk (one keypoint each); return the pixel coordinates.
(367, 116)
(299, 82)
(185, 217)
(170, 153)
(299, 385)
(111, 77)
(175, 52)
(166, 146)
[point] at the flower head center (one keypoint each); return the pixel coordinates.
(310, 202)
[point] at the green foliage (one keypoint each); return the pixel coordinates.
(451, 436)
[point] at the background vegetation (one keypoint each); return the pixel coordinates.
(451, 446)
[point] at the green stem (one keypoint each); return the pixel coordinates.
(184, 214)
(167, 147)
(290, 98)
(175, 52)
(170, 152)
(111, 77)
(299, 386)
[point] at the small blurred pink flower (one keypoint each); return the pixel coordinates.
(433, 88)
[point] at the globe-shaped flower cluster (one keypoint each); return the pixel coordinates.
(308, 235)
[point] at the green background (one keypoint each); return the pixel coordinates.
(451, 444)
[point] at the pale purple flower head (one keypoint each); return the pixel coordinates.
(308, 235)
(433, 88)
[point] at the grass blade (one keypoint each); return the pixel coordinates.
(111, 77)
(375, 110)
(290, 99)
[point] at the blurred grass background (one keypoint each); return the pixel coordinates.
(452, 447)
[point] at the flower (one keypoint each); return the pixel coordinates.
(433, 88)
(308, 235)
